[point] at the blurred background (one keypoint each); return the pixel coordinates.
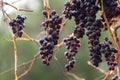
(27, 49)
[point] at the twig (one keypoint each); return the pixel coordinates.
(25, 10)
(16, 58)
(47, 7)
(19, 66)
(24, 39)
(40, 33)
(11, 5)
(16, 7)
(106, 76)
(9, 29)
(114, 20)
(96, 3)
(63, 24)
(16, 1)
(14, 38)
(1, 3)
(118, 72)
(15, 48)
(115, 35)
(9, 40)
(60, 44)
(119, 1)
(74, 76)
(30, 67)
(30, 38)
(109, 73)
(46, 4)
(7, 15)
(99, 78)
(99, 69)
(17, 39)
(118, 42)
(31, 62)
(4, 12)
(102, 71)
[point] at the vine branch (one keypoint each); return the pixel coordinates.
(16, 58)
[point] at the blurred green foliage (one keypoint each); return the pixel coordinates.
(27, 49)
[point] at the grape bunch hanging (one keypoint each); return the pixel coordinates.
(84, 13)
(52, 27)
(17, 25)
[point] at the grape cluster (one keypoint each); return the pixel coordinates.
(93, 34)
(75, 9)
(46, 49)
(79, 31)
(17, 25)
(67, 10)
(52, 26)
(72, 44)
(111, 9)
(93, 27)
(109, 53)
(84, 13)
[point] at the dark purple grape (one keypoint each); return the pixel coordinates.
(109, 53)
(52, 27)
(72, 44)
(17, 25)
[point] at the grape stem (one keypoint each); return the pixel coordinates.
(16, 58)
(1, 2)
(63, 24)
(115, 34)
(74, 76)
(30, 67)
(96, 3)
(47, 7)
(108, 74)
(119, 1)
(99, 69)
(30, 38)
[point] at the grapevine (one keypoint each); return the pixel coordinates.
(87, 25)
